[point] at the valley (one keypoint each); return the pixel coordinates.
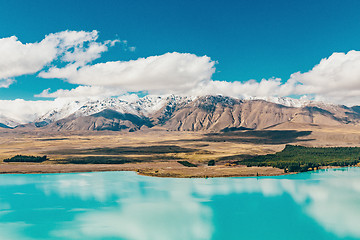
(174, 136)
(156, 151)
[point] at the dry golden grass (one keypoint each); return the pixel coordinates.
(42, 143)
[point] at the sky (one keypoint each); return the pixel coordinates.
(51, 50)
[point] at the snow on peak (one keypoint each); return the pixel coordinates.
(286, 101)
(131, 103)
(127, 104)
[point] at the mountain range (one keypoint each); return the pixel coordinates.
(184, 113)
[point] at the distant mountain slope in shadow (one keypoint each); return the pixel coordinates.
(104, 120)
(4, 126)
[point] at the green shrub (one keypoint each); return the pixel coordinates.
(23, 158)
(211, 163)
(187, 164)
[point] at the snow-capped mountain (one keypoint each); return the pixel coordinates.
(185, 113)
(60, 112)
(144, 106)
(151, 103)
(286, 101)
(7, 121)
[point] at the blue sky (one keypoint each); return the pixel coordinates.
(248, 39)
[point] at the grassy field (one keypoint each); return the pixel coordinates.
(126, 150)
(175, 154)
(268, 137)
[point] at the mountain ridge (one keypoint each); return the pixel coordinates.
(184, 113)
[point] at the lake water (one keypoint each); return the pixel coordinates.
(122, 205)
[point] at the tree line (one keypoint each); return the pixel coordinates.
(301, 159)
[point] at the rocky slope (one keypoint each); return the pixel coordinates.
(181, 113)
(104, 120)
(216, 113)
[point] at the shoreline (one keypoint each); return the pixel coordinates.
(160, 169)
(168, 172)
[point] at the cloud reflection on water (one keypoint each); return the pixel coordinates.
(136, 207)
(156, 220)
(144, 210)
(14, 230)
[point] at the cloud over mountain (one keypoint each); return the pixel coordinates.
(264, 88)
(170, 72)
(82, 92)
(335, 79)
(68, 55)
(19, 111)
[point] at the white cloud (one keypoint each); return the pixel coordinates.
(335, 79)
(264, 88)
(17, 58)
(5, 83)
(81, 55)
(183, 74)
(171, 72)
(82, 91)
(338, 72)
(19, 111)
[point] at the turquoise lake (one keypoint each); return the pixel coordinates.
(122, 205)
